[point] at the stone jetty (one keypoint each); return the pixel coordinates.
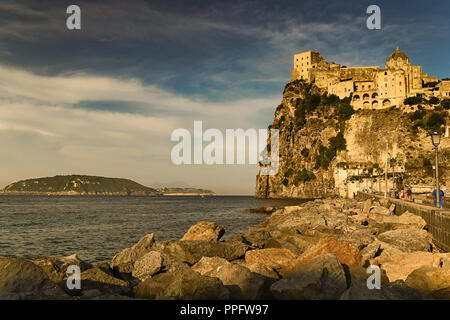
(318, 250)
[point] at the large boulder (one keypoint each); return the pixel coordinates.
(181, 283)
(258, 237)
(281, 260)
(323, 278)
(203, 230)
(406, 220)
(430, 280)
(358, 237)
(377, 247)
(149, 264)
(191, 251)
(123, 262)
(242, 283)
(399, 265)
(98, 279)
(294, 242)
(366, 206)
(18, 275)
(409, 240)
(55, 267)
(359, 291)
(345, 252)
(379, 210)
(263, 270)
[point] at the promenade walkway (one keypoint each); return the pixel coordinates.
(438, 220)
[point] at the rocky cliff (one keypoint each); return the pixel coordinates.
(327, 148)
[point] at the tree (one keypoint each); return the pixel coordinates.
(445, 104)
(435, 121)
(434, 100)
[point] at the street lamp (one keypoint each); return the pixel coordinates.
(436, 140)
(393, 162)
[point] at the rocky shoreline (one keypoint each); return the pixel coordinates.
(318, 250)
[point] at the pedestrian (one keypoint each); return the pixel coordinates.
(409, 194)
(402, 194)
(441, 197)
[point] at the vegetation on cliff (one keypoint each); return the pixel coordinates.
(323, 139)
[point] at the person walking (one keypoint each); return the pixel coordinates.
(409, 194)
(441, 197)
(402, 194)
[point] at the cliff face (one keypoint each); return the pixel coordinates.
(326, 148)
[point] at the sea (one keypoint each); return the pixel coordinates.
(97, 227)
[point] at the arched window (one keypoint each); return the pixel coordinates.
(374, 95)
(374, 104)
(386, 103)
(366, 96)
(356, 97)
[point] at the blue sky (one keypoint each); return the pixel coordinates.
(104, 100)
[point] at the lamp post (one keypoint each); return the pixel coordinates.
(392, 162)
(436, 140)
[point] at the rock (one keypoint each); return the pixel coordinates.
(406, 220)
(105, 267)
(323, 278)
(123, 262)
(263, 270)
(49, 292)
(359, 238)
(181, 284)
(429, 279)
(379, 210)
(399, 265)
(345, 252)
(267, 210)
(356, 273)
(258, 237)
(392, 209)
(56, 267)
(412, 219)
(18, 275)
(408, 239)
(281, 260)
(203, 230)
(366, 206)
(242, 283)
(294, 242)
(359, 291)
(98, 279)
(191, 251)
(443, 294)
(149, 264)
(377, 247)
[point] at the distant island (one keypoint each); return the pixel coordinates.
(93, 185)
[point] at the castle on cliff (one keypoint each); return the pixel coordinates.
(370, 87)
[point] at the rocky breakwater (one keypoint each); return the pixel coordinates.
(319, 250)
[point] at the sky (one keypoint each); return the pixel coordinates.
(105, 99)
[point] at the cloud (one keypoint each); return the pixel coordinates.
(48, 128)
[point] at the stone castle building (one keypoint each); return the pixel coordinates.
(370, 87)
